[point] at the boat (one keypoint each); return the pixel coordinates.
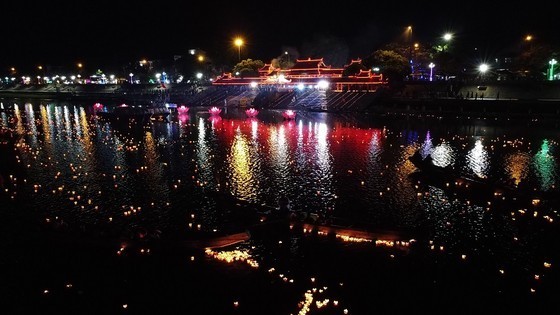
(125, 113)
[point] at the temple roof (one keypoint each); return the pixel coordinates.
(303, 64)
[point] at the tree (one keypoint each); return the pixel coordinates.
(248, 68)
(392, 64)
(532, 62)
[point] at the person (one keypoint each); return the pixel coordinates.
(284, 205)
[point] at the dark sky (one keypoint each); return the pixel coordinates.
(100, 32)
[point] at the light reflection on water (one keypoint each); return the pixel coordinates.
(545, 166)
(322, 163)
(477, 160)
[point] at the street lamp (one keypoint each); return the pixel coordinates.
(447, 37)
(238, 42)
(199, 75)
(528, 38)
(431, 65)
(483, 68)
(200, 58)
(131, 75)
(80, 65)
(552, 63)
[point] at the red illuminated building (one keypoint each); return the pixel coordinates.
(309, 72)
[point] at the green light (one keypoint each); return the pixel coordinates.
(544, 166)
(551, 63)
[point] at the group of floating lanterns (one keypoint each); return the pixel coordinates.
(232, 256)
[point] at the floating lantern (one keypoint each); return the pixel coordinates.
(251, 112)
(183, 109)
(289, 114)
(97, 107)
(215, 111)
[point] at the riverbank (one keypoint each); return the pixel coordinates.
(534, 99)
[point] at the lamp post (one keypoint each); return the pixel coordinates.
(409, 30)
(551, 63)
(131, 75)
(238, 42)
(431, 65)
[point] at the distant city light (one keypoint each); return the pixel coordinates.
(80, 65)
(192, 51)
(253, 84)
(375, 69)
(528, 38)
(431, 65)
(483, 68)
(158, 75)
(301, 86)
(201, 58)
(73, 77)
(199, 75)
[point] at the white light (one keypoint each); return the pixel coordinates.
(253, 84)
(63, 78)
(131, 74)
(301, 86)
(323, 84)
(431, 65)
(112, 76)
(483, 68)
(447, 36)
(73, 77)
(158, 75)
(199, 75)
(237, 73)
(376, 69)
(192, 51)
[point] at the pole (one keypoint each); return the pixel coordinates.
(239, 52)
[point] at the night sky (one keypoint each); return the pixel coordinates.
(107, 33)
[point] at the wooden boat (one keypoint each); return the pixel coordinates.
(125, 113)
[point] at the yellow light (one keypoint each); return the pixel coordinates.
(528, 38)
(416, 45)
(238, 42)
(40, 67)
(201, 58)
(13, 69)
(80, 65)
